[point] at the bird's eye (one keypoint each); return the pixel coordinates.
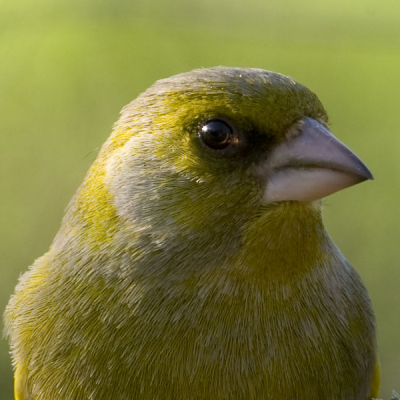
(216, 134)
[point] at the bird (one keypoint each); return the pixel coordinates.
(193, 262)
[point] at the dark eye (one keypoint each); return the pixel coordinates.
(216, 134)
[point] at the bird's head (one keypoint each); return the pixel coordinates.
(202, 154)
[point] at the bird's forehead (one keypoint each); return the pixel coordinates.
(259, 91)
(269, 98)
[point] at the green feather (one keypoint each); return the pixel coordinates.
(170, 279)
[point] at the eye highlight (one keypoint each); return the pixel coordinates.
(216, 134)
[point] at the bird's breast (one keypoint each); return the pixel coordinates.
(311, 338)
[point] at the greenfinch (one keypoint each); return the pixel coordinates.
(193, 264)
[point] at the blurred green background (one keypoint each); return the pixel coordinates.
(68, 66)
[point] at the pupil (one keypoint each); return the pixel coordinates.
(216, 134)
(217, 131)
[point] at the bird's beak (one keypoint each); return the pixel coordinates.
(310, 166)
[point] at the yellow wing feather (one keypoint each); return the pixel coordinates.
(21, 391)
(376, 382)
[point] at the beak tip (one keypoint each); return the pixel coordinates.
(367, 174)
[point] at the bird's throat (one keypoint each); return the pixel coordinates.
(285, 240)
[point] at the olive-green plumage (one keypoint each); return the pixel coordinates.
(172, 278)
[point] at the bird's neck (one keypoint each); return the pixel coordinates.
(281, 241)
(279, 244)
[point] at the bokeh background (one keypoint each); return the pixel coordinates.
(68, 66)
